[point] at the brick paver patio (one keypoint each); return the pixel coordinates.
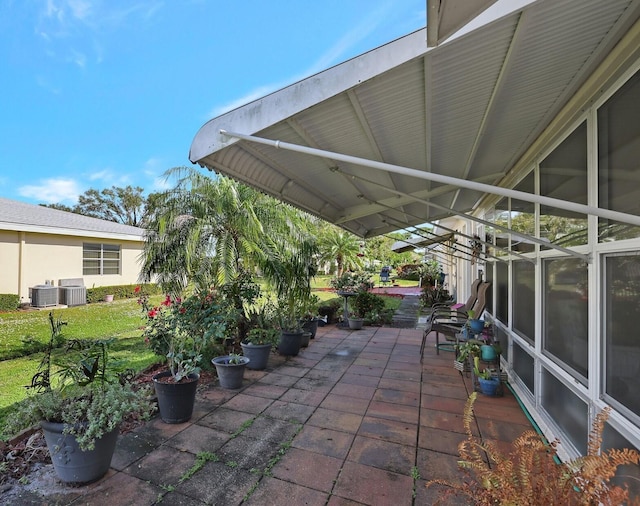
(355, 418)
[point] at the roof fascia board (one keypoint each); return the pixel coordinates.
(445, 17)
(34, 229)
(495, 12)
(284, 103)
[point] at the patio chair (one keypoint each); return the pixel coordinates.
(445, 307)
(450, 323)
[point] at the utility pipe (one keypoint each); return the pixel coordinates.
(439, 178)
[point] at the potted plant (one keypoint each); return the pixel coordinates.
(488, 382)
(309, 320)
(465, 352)
(180, 331)
(261, 338)
(230, 369)
(366, 305)
(80, 402)
(290, 273)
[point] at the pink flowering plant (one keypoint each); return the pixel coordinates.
(183, 331)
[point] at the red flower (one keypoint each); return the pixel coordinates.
(152, 314)
(137, 289)
(167, 301)
(182, 310)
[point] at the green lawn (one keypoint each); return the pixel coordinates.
(121, 319)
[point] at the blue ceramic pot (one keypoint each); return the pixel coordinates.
(489, 386)
(477, 326)
(488, 352)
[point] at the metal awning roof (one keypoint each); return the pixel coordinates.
(419, 242)
(448, 16)
(469, 109)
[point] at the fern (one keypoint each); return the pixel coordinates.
(530, 475)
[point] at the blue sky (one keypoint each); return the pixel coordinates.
(97, 93)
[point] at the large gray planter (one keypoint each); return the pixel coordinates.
(356, 323)
(258, 355)
(73, 465)
(230, 375)
(290, 343)
(175, 400)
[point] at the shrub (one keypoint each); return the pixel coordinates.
(97, 294)
(367, 305)
(410, 272)
(352, 282)
(9, 302)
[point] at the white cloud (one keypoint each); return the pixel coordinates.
(154, 172)
(352, 37)
(52, 191)
(67, 25)
(107, 177)
(250, 97)
(102, 175)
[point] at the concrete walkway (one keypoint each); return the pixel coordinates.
(353, 419)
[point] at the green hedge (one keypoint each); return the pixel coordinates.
(98, 294)
(9, 302)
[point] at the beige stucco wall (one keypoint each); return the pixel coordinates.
(49, 257)
(9, 258)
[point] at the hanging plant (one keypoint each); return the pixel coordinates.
(476, 247)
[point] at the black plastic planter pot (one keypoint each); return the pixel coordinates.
(230, 375)
(310, 326)
(175, 400)
(73, 465)
(290, 343)
(258, 355)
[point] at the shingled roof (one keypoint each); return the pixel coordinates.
(20, 216)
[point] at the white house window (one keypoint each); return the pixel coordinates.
(524, 299)
(618, 151)
(565, 318)
(100, 259)
(563, 175)
(568, 411)
(622, 345)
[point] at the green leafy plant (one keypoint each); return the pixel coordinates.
(235, 358)
(529, 472)
(262, 325)
(367, 305)
(469, 348)
(352, 282)
(484, 374)
(180, 330)
(82, 389)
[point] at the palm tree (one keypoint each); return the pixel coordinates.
(342, 247)
(206, 230)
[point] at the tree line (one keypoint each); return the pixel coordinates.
(210, 228)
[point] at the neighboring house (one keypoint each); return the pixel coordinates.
(39, 245)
